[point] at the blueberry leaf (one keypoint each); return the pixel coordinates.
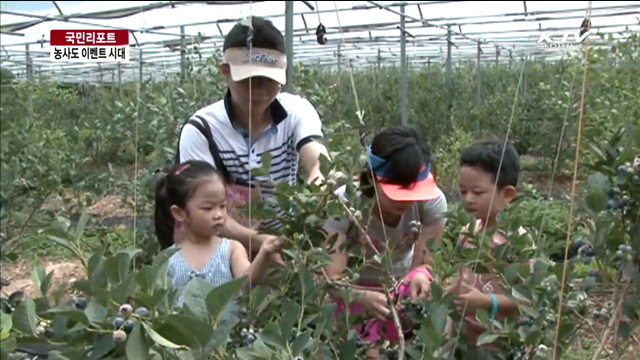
(159, 339)
(137, 347)
(486, 338)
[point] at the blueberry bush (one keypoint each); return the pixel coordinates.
(123, 308)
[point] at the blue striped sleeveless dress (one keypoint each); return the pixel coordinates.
(217, 272)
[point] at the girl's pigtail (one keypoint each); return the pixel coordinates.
(164, 222)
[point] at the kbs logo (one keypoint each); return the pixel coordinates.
(89, 45)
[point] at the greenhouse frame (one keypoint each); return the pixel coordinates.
(358, 33)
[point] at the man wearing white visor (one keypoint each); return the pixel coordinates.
(254, 118)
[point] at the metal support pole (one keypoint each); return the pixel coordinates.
(288, 37)
(479, 87)
(524, 75)
(183, 54)
(140, 72)
(403, 69)
(497, 66)
(448, 68)
(510, 59)
(29, 67)
(119, 75)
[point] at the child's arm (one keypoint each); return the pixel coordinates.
(240, 264)
(421, 256)
(506, 306)
(435, 219)
(476, 299)
(375, 302)
(334, 270)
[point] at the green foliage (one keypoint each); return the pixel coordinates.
(289, 314)
(124, 309)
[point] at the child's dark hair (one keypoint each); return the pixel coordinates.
(487, 154)
(403, 148)
(176, 188)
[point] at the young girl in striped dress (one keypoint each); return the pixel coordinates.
(194, 194)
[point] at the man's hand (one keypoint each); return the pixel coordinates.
(277, 258)
(248, 237)
(270, 239)
(274, 244)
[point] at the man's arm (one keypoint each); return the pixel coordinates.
(310, 158)
(307, 131)
(233, 230)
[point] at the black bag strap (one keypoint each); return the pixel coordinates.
(205, 130)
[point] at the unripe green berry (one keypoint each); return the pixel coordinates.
(119, 336)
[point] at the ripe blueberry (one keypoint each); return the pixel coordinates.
(80, 303)
(128, 326)
(118, 322)
(142, 311)
(596, 314)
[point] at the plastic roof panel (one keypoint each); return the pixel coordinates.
(357, 33)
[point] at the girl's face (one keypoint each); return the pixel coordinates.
(207, 210)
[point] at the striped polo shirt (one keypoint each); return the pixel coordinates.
(295, 123)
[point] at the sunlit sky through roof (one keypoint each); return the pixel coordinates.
(478, 20)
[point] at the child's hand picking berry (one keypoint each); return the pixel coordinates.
(420, 285)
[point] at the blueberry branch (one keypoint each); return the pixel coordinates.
(357, 223)
(99, 331)
(394, 313)
(593, 330)
(396, 323)
(612, 321)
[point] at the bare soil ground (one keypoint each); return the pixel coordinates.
(591, 337)
(107, 207)
(111, 206)
(64, 272)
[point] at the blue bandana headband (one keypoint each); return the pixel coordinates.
(381, 167)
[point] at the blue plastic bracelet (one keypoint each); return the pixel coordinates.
(494, 303)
